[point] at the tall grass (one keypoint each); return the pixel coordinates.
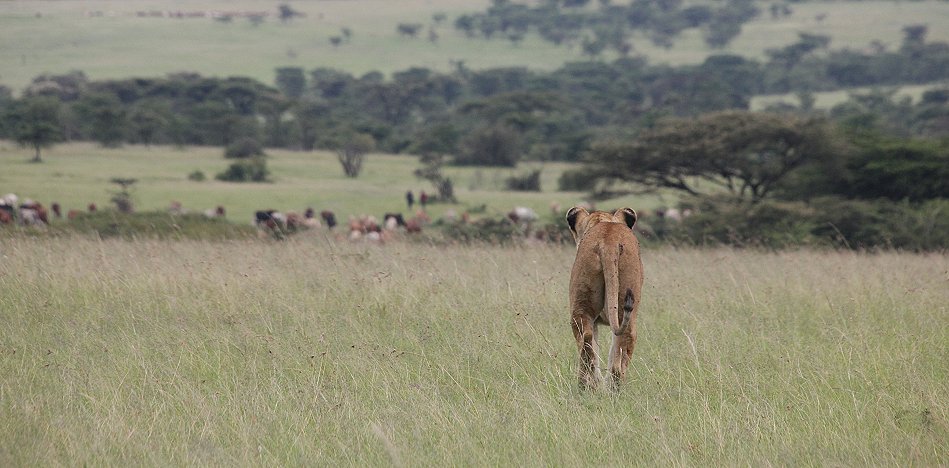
(311, 352)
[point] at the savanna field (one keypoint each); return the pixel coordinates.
(173, 340)
(312, 351)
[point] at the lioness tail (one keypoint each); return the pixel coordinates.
(627, 309)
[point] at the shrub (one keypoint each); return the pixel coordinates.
(352, 150)
(483, 230)
(827, 221)
(725, 221)
(529, 182)
(576, 180)
(244, 148)
(197, 176)
(249, 170)
(877, 224)
(154, 224)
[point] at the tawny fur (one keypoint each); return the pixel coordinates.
(606, 273)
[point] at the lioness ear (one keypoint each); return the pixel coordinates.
(574, 215)
(626, 215)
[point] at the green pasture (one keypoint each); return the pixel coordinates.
(310, 352)
(55, 37)
(77, 174)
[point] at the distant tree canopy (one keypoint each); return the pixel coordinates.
(747, 154)
(610, 26)
(876, 165)
(34, 122)
(511, 112)
(291, 81)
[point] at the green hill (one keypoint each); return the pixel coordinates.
(108, 39)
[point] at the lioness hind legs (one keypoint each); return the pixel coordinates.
(584, 330)
(621, 353)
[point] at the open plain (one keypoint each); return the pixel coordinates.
(310, 351)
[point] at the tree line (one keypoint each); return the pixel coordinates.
(610, 26)
(491, 117)
(871, 171)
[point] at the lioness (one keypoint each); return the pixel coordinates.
(606, 272)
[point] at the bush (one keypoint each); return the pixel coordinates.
(914, 170)
(529, 182)
(828, 221)
(197, 176)
(725, 221)
(244, 148)
(576, 180)
(155, 224)
(858, 224)
(483, 230)
(250, 170)
(352, 150)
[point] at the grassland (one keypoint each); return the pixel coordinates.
(827, 100)
(58, 36)
(310, 352)
(77, 174)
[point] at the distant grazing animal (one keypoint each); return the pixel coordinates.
(6, 214)
(33, 213)
(399, 220)
(266, 219)
(309, 220)
(607, 272)
(413, 226)
(329, 218)
(294, 221)
(218, 212)
(56, 210)
(522, 214)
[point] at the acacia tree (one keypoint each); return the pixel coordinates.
(433, 146)
(746, 153)
(352, 150)
(34, 122)
(123, 197)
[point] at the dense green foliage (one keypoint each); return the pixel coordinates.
(823, 222)
(876, 166)
(33, 122)
(744, 153)
(507, 114)
(246, 170)
(528, 182)
(244, 148)
(611, 26)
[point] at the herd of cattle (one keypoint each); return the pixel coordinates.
(363, 227)
(268, 222)
(33, 213)
(278, 223)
